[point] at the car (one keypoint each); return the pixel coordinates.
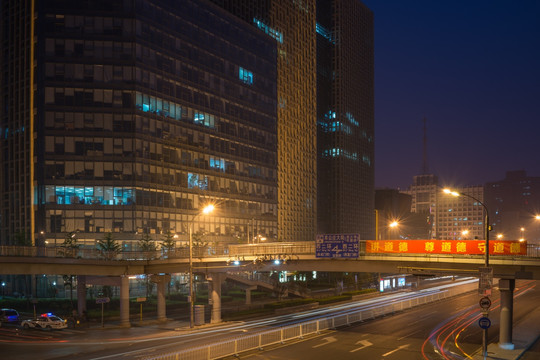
(45, 321)
(9, 316)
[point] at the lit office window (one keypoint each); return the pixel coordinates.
(270, 31)
(245, 75)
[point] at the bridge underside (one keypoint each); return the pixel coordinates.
(504, 267)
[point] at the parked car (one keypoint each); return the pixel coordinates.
(45, 321)
(9, 316)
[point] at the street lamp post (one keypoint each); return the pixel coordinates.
(207, 210)
(486, 235)
(486, 220)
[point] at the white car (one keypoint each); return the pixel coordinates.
(45, 321)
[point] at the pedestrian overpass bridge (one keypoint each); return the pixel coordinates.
(94, 267)
(293, 256)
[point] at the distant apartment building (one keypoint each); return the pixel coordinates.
(424, 192)
(128, 116)
(461, 217)
(513, 204)
(449, 217)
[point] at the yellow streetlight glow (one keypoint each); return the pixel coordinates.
(208, 209)
(499, 236)
(450, 192)
(465, 232)
(537, 217)
(394, 224)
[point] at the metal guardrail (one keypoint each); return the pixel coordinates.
(245, 343)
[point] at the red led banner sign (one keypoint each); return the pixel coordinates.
(453, 247)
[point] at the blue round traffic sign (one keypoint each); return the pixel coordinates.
(484, 323)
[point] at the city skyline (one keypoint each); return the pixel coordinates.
(469, 68)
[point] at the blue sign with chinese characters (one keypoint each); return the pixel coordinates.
(344, 246)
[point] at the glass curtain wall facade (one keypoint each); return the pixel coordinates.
(345, 112)
(291, 24)
(16, 128)
(145, 111)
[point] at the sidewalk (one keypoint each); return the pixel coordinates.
(524, 335)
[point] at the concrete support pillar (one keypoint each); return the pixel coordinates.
(161, 309)
(81, 294)
(248, 294)
(124, 301)
(506, 287)
(216, 280)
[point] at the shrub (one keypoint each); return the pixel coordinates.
(288, 303)
(359, 292)
(333, 299)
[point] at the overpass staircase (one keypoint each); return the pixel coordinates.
(261, 280)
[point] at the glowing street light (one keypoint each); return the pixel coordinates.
(499, 236)
(207, 210)
(486, 220)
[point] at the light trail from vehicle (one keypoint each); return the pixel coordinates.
(456, 325)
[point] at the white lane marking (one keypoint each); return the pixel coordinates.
(403, 337)
(364, 343)
(329, 340)
(399, 348)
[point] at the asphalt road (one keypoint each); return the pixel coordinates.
(445, 330)
(430, 328)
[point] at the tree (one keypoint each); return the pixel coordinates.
(199, 246)
(148, 246)
(109, 247)
(168, 243)
(68, 281)
(70, 246)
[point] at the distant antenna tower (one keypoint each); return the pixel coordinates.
(425, 168)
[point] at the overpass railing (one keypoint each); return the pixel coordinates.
(237, 345)
(281, 250)
(85, 253)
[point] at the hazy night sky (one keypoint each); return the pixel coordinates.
(472, 68)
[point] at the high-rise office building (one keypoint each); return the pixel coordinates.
(291, 24)
(127, 116)
(345, 113)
